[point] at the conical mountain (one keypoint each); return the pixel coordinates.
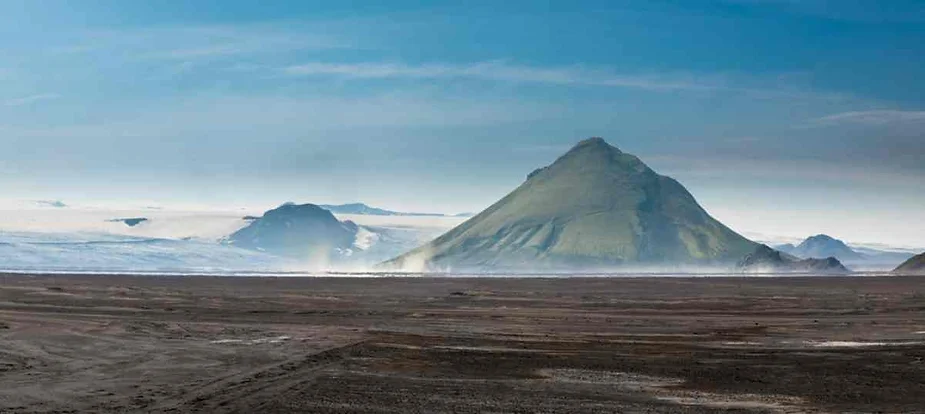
(594, 207)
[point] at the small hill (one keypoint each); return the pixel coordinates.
(767, 260)
(593, 208)
(131, 222)
(822, 246)
(303, 231)
(915, 265)
(51, 203)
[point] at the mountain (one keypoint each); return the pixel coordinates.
(593, 208)
(51, 203)
(822, 246)
(766, 259)
(360, 208)
(131, 222)
(303, 231)
(915, 265)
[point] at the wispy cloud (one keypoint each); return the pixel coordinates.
(28, 100)
(501, 71)
(878, 117)
(192, 42)
(756, 87)
(771, 169)
(198, 52)
(281, 117)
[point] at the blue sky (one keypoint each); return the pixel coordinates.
(782, 117)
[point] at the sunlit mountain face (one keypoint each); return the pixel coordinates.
(594, 207)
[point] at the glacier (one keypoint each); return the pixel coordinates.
(86, 252)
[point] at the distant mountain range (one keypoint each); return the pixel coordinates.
(822, 246)
(595, 207)
(360, 208)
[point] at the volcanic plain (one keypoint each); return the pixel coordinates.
(159, 344)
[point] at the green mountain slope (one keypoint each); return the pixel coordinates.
(915, 265)
(594, 207)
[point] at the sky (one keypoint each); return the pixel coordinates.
(782, 117)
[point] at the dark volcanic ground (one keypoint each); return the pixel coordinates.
(392, 345)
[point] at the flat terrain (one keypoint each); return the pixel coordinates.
(431, 345)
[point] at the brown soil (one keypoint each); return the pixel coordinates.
(502, 345)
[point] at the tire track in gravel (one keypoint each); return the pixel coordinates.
(261, 384)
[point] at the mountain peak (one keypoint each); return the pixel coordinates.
(596, 143)
(290, 208)
(821, 237)
(822, 246)
(823, 241)
(592, 141)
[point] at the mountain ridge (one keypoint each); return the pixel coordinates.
(365, 209)
(821, 246)
(768, 260)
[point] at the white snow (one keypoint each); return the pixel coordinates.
(270, 340)
(35, 237)
(854, 344)
(112, 252)
(206, 225)
(365, 238)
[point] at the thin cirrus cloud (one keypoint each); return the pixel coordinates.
(199, 42)
(31, 99)
(500, 71)
(876, 117)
